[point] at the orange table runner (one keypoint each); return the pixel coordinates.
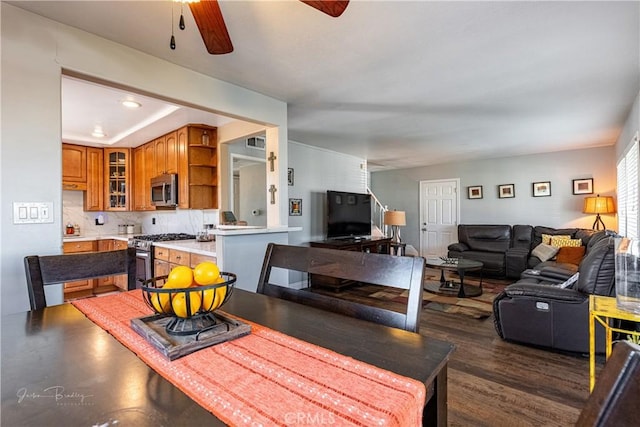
(269, 378)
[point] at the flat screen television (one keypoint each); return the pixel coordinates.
(348, 215)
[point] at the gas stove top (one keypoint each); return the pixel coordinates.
(165, 237)
(144, 241)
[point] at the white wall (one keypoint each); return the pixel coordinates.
(34, 53)
(316, 171)
(399, 189)
(631, 127)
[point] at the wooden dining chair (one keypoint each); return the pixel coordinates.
(370, 268)
(614, 400)
(52, 269)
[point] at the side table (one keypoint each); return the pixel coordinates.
(602, 310)
(397, 248)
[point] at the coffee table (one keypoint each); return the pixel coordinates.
(449, 287)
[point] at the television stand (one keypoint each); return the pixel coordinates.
(379, 245)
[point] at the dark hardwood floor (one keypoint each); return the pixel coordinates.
(497, 383)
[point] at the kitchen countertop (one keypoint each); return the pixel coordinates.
(234, 230)
(222, 230)
(193, 246)
(202, 248)
(89, 237)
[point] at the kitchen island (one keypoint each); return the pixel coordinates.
(241, 250)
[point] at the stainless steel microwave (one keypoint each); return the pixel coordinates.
(164, 190)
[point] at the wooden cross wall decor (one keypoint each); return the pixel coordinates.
(272, 157)
(273, 190)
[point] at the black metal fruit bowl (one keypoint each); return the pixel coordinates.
(187, 302)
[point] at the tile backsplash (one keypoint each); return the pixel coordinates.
(166, 221)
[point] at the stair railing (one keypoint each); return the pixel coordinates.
(377, 214)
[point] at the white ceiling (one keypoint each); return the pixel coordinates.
(408, 83)
(86, 105)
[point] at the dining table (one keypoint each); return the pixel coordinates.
(61, 368)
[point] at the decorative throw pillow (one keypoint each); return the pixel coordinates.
(559, 242)
(571, 254)
(546, 238)
(544, 252)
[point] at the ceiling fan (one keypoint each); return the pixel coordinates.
(210, 22)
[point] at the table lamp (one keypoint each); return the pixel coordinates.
(599, 205)
(395, 219)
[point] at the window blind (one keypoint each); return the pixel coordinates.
(627, 171)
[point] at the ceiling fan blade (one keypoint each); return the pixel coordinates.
(330, 7)
(210, 22)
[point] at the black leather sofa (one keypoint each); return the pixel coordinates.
(505, 250)
(538, 312)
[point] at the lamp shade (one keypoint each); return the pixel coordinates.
(599, 205)
(395, 218)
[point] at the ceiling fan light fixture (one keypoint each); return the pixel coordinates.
(130, 103)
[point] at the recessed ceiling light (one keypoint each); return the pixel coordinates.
(98, 132)
(129, 103)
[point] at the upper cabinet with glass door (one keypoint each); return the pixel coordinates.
(117, 172)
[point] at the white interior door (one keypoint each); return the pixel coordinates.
(439, 212)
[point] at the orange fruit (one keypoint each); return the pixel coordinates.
(208, 299)
(183, 309)
(180, 277)
(160, 302)
(206, 273)
(212, 298)
(171, 285)
(221, 292)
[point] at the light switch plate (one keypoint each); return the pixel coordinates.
(32, 212)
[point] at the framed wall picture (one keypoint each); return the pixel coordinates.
(583, 186)
(290, 176)
(474, 192)
(506, 191)
(541, 189)
(295, 207)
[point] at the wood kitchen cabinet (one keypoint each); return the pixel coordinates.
(117, 170)
(94, 195)
(191, 152)
(198, 258)
(80, 288)
(110, 283)
(161, 264)
(143, 171)
(197, 167)
(83, 170)
(165, 259)
(166, 151)
(105, 284)
(74, 167)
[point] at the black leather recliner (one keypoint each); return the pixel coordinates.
(485, 243)
(538, 312)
